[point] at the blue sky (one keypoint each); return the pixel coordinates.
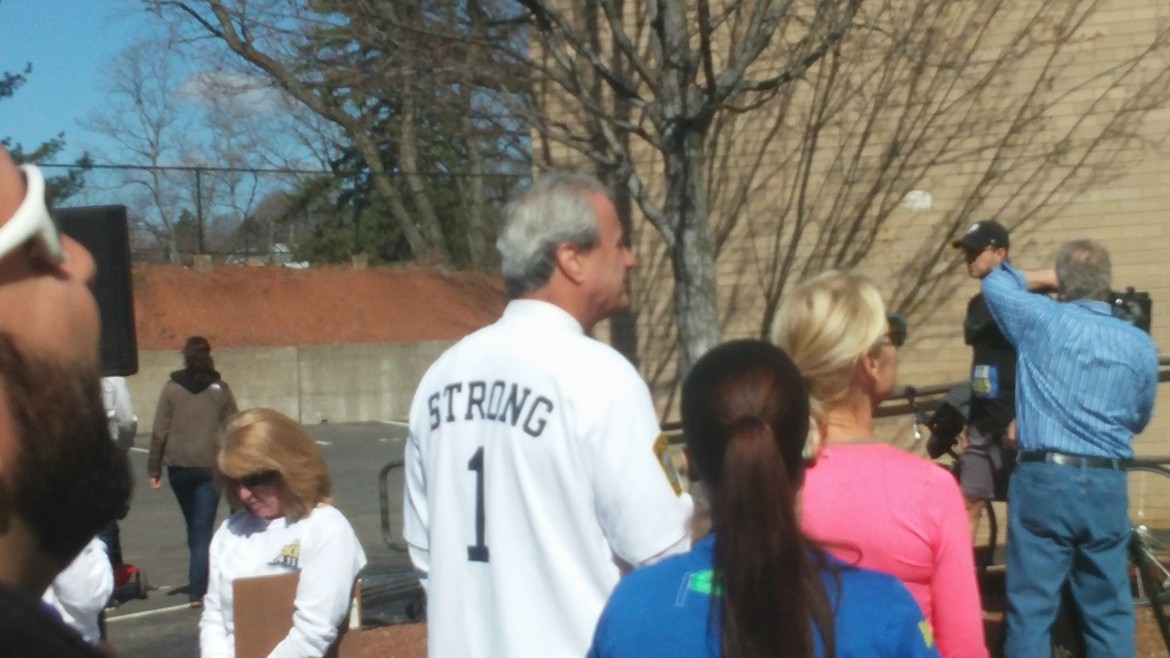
(68, 42)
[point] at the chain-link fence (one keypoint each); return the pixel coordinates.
(229, 213)
(289, 215)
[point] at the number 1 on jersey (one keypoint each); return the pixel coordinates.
(478, 552)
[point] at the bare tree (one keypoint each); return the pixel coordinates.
(766, 137)
(640, 89)
(791, 132)
(194, 150)
(143, 117)
(402, 99)
(239, 139)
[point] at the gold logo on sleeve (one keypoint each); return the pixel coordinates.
(664, 455)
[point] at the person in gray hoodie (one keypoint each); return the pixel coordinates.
(190, 409)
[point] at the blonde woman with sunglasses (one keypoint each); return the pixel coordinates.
(871, 503)
(274, 474)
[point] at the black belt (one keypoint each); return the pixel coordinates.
(1062, 459)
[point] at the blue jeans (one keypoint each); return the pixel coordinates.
(1068, 523)
(199, 500)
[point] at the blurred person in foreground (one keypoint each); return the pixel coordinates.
(61, 478)
(756, 586)
(873, 504)
(82, 590)
(193, 403)
(1086, 385)
(536, 470)
(274, 473)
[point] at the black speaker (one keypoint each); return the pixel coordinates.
(104, 231)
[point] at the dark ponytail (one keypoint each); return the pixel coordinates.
(198, 362)
(745, 420)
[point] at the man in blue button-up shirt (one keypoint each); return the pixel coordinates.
(1085, 386)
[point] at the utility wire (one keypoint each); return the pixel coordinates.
(275, 170)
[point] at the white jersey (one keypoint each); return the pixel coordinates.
(321, 546)
(535, 462)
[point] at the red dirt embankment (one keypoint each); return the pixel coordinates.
(239, 306)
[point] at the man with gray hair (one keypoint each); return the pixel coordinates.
(1085, 386)
(536, 471)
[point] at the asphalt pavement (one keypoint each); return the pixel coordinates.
(154, 539)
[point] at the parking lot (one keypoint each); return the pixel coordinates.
(154, 538)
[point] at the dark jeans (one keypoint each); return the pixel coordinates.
(199, 500)
(113, 540)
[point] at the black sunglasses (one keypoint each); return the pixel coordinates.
(258, 479)
(899, 329)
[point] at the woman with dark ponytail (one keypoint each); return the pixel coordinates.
(192, 405)
(755, 587)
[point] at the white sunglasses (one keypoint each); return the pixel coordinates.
(32, 221)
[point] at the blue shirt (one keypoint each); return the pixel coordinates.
(662, 610)
(1085, 380)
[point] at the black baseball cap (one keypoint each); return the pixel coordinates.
(982, 235)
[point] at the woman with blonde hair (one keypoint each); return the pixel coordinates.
(873, 504)
(273, 472)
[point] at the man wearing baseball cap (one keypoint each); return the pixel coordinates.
(989, 453)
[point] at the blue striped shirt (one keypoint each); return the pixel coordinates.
(1085, 381)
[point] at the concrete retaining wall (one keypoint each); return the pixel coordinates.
(314, 384)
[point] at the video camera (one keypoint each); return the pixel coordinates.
(948, 421)
(1132, 306)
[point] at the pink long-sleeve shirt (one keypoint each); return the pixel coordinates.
(882, 508)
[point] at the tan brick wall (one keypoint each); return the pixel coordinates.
(1122, 202)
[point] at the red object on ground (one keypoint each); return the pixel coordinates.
(124, 573)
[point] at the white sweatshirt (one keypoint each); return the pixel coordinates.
(322, 547)
(81, 591)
